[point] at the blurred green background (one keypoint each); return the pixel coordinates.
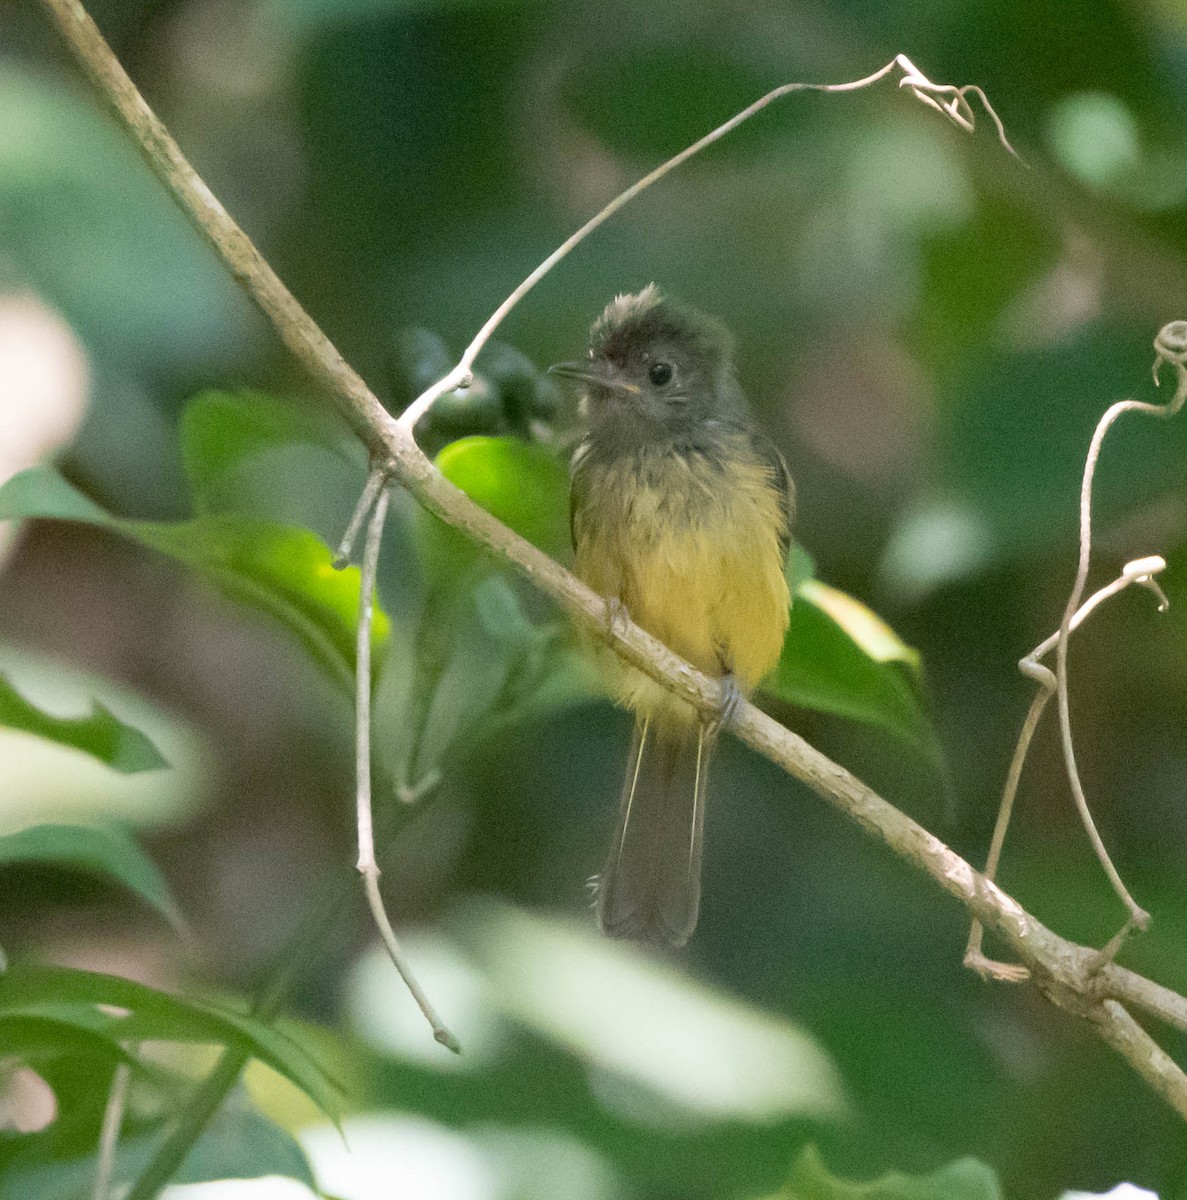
(929, 331)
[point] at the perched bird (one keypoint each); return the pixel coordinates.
(680, 513)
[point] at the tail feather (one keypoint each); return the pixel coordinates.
(651, 887)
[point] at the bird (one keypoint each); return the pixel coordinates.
(680, 513)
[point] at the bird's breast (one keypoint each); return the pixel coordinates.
(692, 547)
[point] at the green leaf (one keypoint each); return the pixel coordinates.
(42, 492)
(280, 570)
(102, 735)
(107, 851)
(37, 1037)
(74, 997)
(839, 657)
(521, 484)
(221, 432)
(236, 1143)
(965, 1179)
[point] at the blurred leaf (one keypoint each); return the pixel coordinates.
(800, 566)
(106, 850)
(42, 492)
(839, 657)
(37, 1037)
(74, 997)
(972, 273)
(101, 735)
(236, 1143)
(705, 1054)
(86, 226)
(282, 571)
(966, 1179)
(221, 431)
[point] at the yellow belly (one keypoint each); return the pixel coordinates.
(697, 564)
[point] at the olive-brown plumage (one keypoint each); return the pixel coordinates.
(681, 513)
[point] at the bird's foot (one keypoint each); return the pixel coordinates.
(731, 697)
(617, 617)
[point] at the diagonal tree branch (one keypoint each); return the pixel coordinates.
(1068, 974)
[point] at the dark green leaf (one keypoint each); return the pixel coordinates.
(101, 735)
(966, 1179)
(75, 997)
(439, 694)
(841, 658)
(37, 1037)
(107, 851)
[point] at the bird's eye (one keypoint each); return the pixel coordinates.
(660, 373)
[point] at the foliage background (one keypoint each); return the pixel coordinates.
(928, 330)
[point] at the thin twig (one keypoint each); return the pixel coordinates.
(1171, 346)
(1148, 1058)
(1049, 956)
(1141, 571)
(376, 478)
(367, 865)
(109, 1135)
(959, 112)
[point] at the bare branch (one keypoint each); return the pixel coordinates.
(1060, 968)
(1143, 1053)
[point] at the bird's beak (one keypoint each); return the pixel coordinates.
(595, 371)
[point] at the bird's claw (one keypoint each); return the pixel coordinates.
(731, 698)
(617, 617)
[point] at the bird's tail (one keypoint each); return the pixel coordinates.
(651, 887)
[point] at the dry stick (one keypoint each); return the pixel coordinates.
(1141, 571)
(958, 111)
(1171, 346)
(1059, 966)
(367, 865)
